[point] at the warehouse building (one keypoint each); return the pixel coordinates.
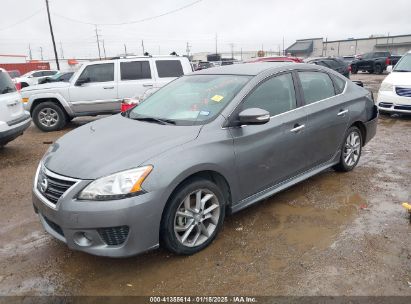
(316, 47)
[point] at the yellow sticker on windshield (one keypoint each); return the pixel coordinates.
(217, 98)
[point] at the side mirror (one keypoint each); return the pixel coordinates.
(389, 68)
(254, 116)
(82, 81)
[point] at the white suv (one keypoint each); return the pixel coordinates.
(33, 77)
(13, 119)
(99, 87)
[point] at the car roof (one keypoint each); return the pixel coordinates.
(251, 69)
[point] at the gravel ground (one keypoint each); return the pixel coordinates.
(334, 234)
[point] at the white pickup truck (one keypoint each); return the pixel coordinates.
(98, 88)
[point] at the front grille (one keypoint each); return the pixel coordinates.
(402, 107)
(114, 236)
(401, 91)
(54, 226)
(385, 104)
(52, 186)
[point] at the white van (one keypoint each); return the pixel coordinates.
(98, 87)
(13, 119)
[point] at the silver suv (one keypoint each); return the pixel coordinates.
(98, 88)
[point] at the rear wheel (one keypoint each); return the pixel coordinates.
(351, 150)
(193, 217)
(354, 69)
(378, 69)
(48, 116)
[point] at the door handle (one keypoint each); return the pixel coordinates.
(297, 128)
(147, 85)
(342, 112)
(108, 88)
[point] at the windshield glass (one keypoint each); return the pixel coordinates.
(6, 84)
(191, 99)
(404, 65)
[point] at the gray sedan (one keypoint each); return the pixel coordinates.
(168, 171)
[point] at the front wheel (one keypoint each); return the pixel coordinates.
(48, 116)
(378, 69)
(351, 150)
(193, 217)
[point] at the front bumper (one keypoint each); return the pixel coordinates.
(81, 224)
(389, 101)
(15, 131)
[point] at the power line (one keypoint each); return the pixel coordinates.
(130, 22)
(22, 20)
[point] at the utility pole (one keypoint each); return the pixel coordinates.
(283, 47)
(98, 43)
(241, 54)
(142, 45)
(104, 50)
(52, 36)
(232, 50)
(216, 43)
(125, 49)
(41, 53)
(188, 49)
(61, 50)
(30, 54)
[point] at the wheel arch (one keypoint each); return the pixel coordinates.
(360, 125)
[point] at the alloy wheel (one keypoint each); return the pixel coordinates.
(352, 149)
(197, 217)
(48, 117)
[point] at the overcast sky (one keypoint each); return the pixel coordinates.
(249, 25)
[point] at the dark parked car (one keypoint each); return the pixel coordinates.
(374, 62)
(208, 144)
(59, 77)
(204, 65)
(335, 64)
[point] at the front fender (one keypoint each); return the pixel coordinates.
(63, 102)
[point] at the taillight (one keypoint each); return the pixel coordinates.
(387, 61)
(18, 86)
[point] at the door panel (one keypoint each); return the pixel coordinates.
(327, 117)
(97, 95)
(270, 153)
(135, 78)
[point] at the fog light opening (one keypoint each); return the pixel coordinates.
(83, 239)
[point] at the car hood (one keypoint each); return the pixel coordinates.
(113, 144)
(399, 78)
(45, 86)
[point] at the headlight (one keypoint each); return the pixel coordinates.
(116, 186)
(385, 86)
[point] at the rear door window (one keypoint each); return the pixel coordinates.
(169, 68)
(6, 84)
(37, 74)
(99, 72)
(134, 70)
(49, 73)
(316, 86)
(339, 84)
(275, 95)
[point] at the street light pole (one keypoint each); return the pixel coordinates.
(52, 36)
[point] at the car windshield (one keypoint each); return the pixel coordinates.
(404, 65)
(190, 100)
(6, 84)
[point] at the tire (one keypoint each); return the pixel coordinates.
(378, 69)
(191, 232)
(354, 69)
(345, 164)
(49, 116)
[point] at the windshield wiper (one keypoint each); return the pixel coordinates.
(161, 121)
